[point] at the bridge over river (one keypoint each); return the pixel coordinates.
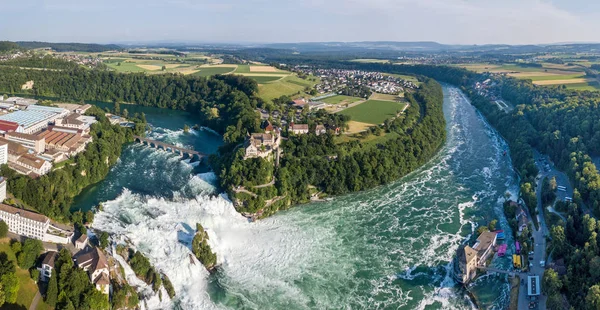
(170, 148)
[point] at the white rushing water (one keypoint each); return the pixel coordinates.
(390, 247)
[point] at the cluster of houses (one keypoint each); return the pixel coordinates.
(33, 225)
(84, 60)
(33, 136)
(334, 80)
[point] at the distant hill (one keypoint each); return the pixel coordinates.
(69, 47)
(373, 45)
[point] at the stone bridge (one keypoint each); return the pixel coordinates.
(170, 148)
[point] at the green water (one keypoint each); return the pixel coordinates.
(387, 248)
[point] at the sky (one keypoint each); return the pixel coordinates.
(266, 21)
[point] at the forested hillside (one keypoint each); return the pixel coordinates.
(224, 103)
(317, 164)
(69, 47)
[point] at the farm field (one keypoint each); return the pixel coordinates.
(373, 111)
(213, 70)
(241, 69)
(289, 86)
(264, 79)
(341, 99)
(592, 86)
(369, 60)
(378, 96)
(27, 288)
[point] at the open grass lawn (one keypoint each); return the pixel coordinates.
(27, 288)
(257, 69)
(373, 111)
(289, 85)
(208, 71)
(264, 79)
(340, 98)
(125, 67)
(556, 77)
(592, 86)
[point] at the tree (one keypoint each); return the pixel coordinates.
(117, 108)
(52, 291)
(507, 196)
(35, 274)
(3, 229)
(10, 284)
(125, 113)
(186, 128)
(492, 225)
(551, 283)
(103, 239)
(164, 68)
(31, 250)
(592, 299)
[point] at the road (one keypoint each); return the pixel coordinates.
(35, 301)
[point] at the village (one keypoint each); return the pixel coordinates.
(355, 82)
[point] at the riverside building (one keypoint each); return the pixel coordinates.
(33, 225)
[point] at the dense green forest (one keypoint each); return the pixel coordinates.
(69, 47)
(225, 103)
(45, 62)
(319, 164)
(7, 46)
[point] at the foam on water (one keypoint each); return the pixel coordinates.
(390, 247)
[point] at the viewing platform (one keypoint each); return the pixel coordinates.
(170, 148)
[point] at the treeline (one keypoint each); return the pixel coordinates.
(319, 165)
(7, 46)
(42, 62)
(576, 243)
(52, 194)
(69, 47)
(225, 103)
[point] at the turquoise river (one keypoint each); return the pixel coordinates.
(386, 248)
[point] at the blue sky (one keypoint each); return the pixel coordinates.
(444, 21)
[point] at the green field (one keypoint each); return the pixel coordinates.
(264, 79)
(27, 288)
(289, 86)
(208, 71)
(373, 111)
(339, 98)
(592, 86)
(556, 77)
(125, 67)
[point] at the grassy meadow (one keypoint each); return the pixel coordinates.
(373, 111)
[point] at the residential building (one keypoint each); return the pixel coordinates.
(95, 263)
(320, 130)
(299, 103)
(262, 144)
(299, 129)
(81, 242)
(522, 219)
(2, 189)
(33, 142)
(47, 266)
(3, 153)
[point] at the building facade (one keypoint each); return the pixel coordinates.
(3, 153)
(33, 225)
(33, 142)
(95, 264)
(2, 189)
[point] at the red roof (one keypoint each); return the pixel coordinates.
(8, 126)
(299, 102)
